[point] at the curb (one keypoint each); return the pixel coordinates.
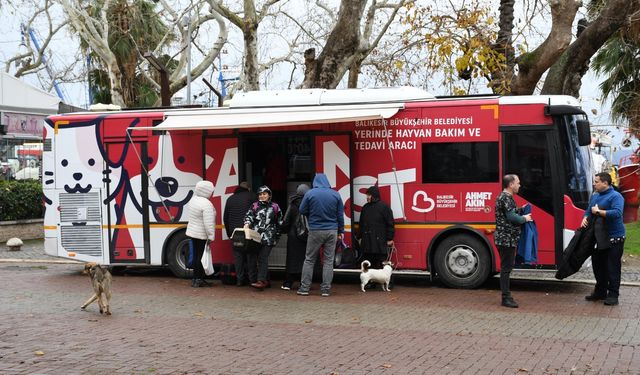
(55, 261)
(573, 281)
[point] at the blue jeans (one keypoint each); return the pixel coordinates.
(319, 238)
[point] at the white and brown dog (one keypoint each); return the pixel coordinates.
(101, 283)
(382, 277)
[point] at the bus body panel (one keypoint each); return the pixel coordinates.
(145, 178)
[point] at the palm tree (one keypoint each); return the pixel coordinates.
(135, 28)
(619, 61)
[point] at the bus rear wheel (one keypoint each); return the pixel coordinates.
(177, 250)
(462, 261)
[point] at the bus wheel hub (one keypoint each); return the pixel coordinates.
(462, 261)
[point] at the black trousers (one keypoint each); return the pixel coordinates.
(507, 256)
(198, 250)
(607, 265)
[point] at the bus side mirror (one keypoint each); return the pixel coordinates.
(584, 132)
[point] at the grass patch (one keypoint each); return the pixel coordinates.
(632, 243)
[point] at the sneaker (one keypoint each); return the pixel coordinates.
(611, 301)
(326, 293)
(302, 293)
(259, 284)
(594, 297)
(509, 302)
(285, 287)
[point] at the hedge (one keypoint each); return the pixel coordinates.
(21, 200)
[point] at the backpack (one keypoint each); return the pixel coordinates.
(301, 227)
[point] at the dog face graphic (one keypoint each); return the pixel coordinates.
(174, 170)
(77, 164)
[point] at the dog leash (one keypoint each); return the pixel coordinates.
(391, 253)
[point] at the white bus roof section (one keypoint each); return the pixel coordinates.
(316, 97)
(541, 99)
(230, 118)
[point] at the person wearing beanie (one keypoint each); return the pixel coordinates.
(234, 212)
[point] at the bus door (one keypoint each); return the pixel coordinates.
(221, 167)
(528, 152)
(127, 202)
(333, 158)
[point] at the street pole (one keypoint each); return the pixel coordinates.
(187, 23)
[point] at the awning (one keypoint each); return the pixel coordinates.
(240, 118)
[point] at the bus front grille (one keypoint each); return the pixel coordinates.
(82, 239)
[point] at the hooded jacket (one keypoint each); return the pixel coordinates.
(202, 215)
(323, 206)
(266, 218)
(376, 224)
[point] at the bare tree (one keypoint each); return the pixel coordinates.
(349, 43)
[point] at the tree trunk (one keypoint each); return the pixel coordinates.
(565, 77)
(501, 78)
(339, 50)
(251, 70)
(354, 73)
(531, 66)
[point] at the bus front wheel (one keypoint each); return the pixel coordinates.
(462, 261)
(177, 249)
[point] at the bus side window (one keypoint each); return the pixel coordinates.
(527, 155)
(458, 162)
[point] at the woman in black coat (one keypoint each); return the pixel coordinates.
(376, 228)
(296, 247)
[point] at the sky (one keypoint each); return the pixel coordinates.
(77, 94)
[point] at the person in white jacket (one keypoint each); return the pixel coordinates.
(202, 218)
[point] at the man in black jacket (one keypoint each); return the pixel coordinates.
(234, 212)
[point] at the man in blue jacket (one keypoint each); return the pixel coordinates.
(324, 210)
(607, 266)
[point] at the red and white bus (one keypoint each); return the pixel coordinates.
(116, 184)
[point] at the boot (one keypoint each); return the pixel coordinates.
(509, 302)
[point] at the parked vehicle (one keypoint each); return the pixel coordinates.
(116, 183)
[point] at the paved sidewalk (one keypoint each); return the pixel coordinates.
(160, 325)
(33, 252)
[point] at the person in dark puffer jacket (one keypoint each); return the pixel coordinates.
(265, 217)
(234, 212)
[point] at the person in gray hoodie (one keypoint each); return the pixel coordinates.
(324, 210)
(200, 228)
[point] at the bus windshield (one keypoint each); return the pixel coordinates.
(577, 161)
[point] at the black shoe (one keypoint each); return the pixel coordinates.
(205, 283)
(509, 302)
(594, 297)
(193, 283)
(197, 283)
(370, 286)
(611, 301)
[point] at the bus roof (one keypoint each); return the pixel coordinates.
(315, 97)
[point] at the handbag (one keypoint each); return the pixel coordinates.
(302, 228)
(207, 262)
(345, 255)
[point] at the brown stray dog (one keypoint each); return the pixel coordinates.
(101, 283)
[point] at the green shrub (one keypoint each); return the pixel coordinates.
(21, 200)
